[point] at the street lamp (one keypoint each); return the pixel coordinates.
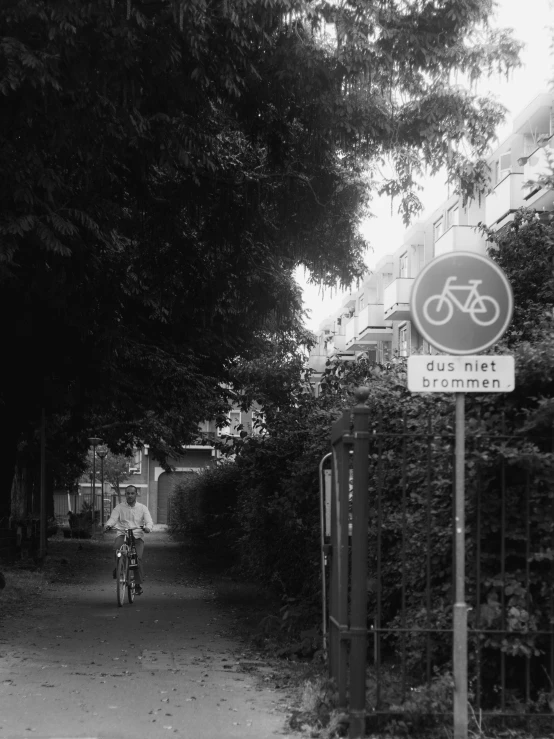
(93, 441)
(102, 452)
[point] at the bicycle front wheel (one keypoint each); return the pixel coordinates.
(121, 581)
(438, 310)
(131, 585)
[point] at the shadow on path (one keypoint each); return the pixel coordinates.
(76, 665)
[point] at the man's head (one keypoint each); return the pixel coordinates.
(131, 495)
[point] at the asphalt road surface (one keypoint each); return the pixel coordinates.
(167, 666)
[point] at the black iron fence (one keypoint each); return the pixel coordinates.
(410, 569)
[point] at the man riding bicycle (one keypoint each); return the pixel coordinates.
(136, 516)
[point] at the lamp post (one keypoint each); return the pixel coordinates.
(102, 452)
(93, 441)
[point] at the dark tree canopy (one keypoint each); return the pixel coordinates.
(167, 164)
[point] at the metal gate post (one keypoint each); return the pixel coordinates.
(341, 441)
(358, 610)
(325, 551)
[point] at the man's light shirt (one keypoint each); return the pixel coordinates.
(131, 517)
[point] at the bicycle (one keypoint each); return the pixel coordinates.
(127, 563)
(483, 309)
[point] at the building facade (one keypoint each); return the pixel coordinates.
(375, 319)
(155, 485)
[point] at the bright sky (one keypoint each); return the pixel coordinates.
(533, 23)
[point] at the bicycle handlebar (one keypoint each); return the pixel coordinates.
(124, 530)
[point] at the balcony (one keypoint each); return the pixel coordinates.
(383, 268)
(535, 116)
(364, 330)
(351, 330)
(317, 362)
(397, 300)
(460, 238)
(372, 325)
(535, 166)
(506, 197)
(336, 345)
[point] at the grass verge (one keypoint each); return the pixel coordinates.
(27, 582)
(21, 590)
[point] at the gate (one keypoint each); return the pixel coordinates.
(392, 565)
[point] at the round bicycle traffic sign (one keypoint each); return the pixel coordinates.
(461, 302)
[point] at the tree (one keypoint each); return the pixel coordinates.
(116, 470)
(165, 169)
(524, 249)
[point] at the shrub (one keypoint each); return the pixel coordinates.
(205, 504)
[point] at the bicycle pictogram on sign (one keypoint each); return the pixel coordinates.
(461, 302)
(482, 309)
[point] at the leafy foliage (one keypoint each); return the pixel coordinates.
(202, 507)
(166, 166)
(275, 522)
(524, 249)
(116, 469)
(204, 503)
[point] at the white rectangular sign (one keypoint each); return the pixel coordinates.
(461, 374)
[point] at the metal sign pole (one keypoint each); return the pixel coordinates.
(459, 654)
(464, 327)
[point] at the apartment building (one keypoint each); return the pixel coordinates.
(375, 319)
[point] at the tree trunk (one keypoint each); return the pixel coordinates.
(9, 435)
(20, 493)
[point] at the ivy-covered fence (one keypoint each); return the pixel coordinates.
(509, 566)
(265, 504)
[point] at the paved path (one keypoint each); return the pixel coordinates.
(168, 665)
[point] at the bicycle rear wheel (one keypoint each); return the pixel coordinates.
(485, 310)
(121, 581)
(438, 310)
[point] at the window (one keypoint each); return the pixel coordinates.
(453, 217)
(403, 340)
(503, 166)
(234, 417)
(135, 465)
(234, 422)
(361, 303)
(404, 265)
(258, 419)
(437, 229)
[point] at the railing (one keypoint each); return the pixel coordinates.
(460, 238)
(351, 330)
(396, 299)
(507, 196)
(537, 165)
(337, 344)
(537, 161)
(411, 566)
